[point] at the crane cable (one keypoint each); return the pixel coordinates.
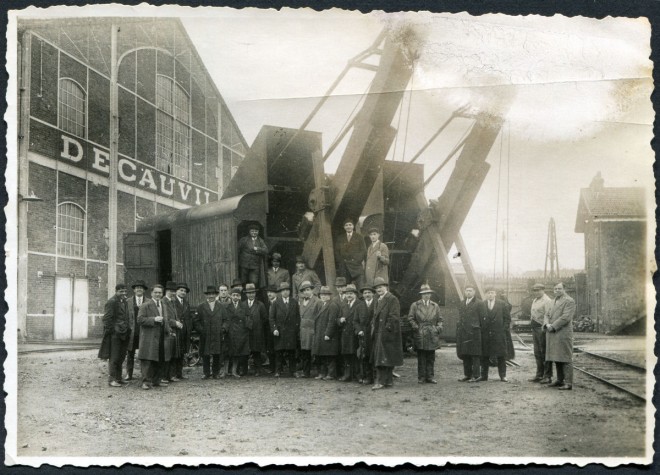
(497, 208)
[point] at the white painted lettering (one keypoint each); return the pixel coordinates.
(185, 190)
(123, 162)
(163, 189)
(148, 180)
(101, 160)
(67, 142)
(197, 202)
(206, 193)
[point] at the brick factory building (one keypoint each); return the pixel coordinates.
(613, 221)
(118, 120)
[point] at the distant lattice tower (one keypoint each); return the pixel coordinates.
(551, 254)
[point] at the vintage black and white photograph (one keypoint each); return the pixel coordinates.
(309, 237)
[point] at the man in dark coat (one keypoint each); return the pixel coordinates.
(276, 274)
(303, 274)
(426, 321)
(133, 306)
(309, 310)
(386, 332)
(182, 329)
(326, 330)
(351, 253)
(117, 325)
(211, 323)
(240, 324)
(468, 336)
(257, 314)
(363, 332)
(252, 251)
(171, 343)
(223, 294)
(284, 317)
(271, 297)
(352, 313)
(495, 320)
(154, 321)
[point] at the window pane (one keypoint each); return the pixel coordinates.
(172, 129)
(70, 230)
(72, 108)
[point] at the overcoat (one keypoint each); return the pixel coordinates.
(386, 332)
(308, 314)
(115, 321)
(350, 255)
(349, 340)
(134, 339)
(212, 325)
(240, 324)
(327, 325)
(559, 343)
(171, 339)
(468, 329)
(363, 324)
(495, 335)
(152, 334)
(259, 317)
(275, 278)
(377, 266)
(426, 322)
(248, 258)
(184, 316)
(307, 275)
(286, 320)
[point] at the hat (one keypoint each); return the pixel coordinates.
(305, 285)
(170, 285)
(378, 281)
(351, 288)
(120, 287)
(210, 289)
(538, 287)
(236, 290)
(325, 290)
(272, 288)
(276, 256)
(140, 283)
(283, 286)
(425, 289)
(182, 285)
(373, 229)
(340, 281)
(366, 287)
(300, 259)
(489, 289)
(250, 287)
(237, 282)
(253, 226)
(348, 220)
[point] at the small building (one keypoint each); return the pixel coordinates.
(613, 221)
(119, 120)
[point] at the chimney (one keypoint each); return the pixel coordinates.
(598, 183)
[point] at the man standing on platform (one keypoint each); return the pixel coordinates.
(468, 336)
(559, 339)
(154, 329)
(541, 306)
(351, 252)
(303, 274)
(276, 274)
(387, 351)
(133, 306)
(252, 251)
(117, 325)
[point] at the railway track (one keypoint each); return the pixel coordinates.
(626, 377)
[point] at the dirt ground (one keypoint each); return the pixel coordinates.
(66, 408)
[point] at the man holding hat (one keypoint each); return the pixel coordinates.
(276, 274)
(309, 309)
(363, 332)
(378, 258)
(326, 342)
(303, 274)
(252, 251)
(116, 330)
(256, 311)
(541, 306)
(240, 324)
(133, 306)
(387, 351)
(284, 317)
(182, 329)
(211, 323)
(426, 322)
(353, 312)
(350, 252)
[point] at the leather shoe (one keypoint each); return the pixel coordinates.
(345, 379)
(114, 384)
(480, 379)
(175, 379)
(368, 381)
(504, 380)
(328, 378)
(206, 376)
(565, 387)
(555, 384)
(320, 376)
(473, 380)
(545, 381)
(431, 381)
(277, 375)
(534, 380)
(420, 381)
(463, 379)
(145, 386)
(164, 382)
(377, 386)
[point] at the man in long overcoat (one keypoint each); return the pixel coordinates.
(426, 321)
(182, 329)
(133, 306)
(116, 327)
(240, 324)
(326, 330)
(350, 252)
(468, 335)
(276, 274)
(271, 297)
(495, 320)
(171, 340)
(284, 316)
(539, 309)
(252, 252)
(351, 313)
(386, 330)
(309, 310)
(378, 258)
(212, 324)
(154, 321)
(559, 340)
(303, 274)
(257, 314)
(363, 332)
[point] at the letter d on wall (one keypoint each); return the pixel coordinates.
(69, 146)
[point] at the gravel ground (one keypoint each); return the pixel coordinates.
(66, 407)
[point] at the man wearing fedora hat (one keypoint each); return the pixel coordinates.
(303, 274)
(133, 306)
(326, 341)
(171, 346)
(211, 323)
(309, 309)
(350, 252)
(541, 306)
(182, 329)
(252, 251)
(353, 312)
(284, 317)
(276, 274)
(240, 324)
(426, 322)
(378, 258)
(116, 331)
(256, 311)
(363, 332)
(387, 351)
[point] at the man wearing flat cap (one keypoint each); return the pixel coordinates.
(284, 320)
(303, 274)
(309, 309)
(116, 331)
(350, 252)
(133, 306)
(541, 306)
(276, 274)
(252, 251)
(378, 258)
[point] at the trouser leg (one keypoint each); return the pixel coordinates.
(306, 356)
(538, 336)
(560, 372)
(476, 366)
(501, 366)
(467, 367)
(256, 360)
(368, 371)
(332, 366)
(421, 364)
(430, 364)
(176, 368)
(147, 371)
(389, 379)
(164, 370)
(292, 361)
(206, 365)
(484, 367)
(117, 355)
(130, 363)
(568, 373)
(215, 369)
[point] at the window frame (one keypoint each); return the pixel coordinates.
(61, 104)
(68, 246)
(175, 120)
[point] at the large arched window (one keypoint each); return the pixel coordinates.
(72, 107)
(172, 128)
(70, 230)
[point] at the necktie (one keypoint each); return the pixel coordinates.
(158, 305)
(490, 305)
(250, 303)
(349, 236)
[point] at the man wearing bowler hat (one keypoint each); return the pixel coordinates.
(133, 306)
(350, 252)
(116, 330)
(326, 335)
(276, 274)
(211, 323)
(541, 306)
(303, 274)
(252, 251)
(284, 316)
(387, 351)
